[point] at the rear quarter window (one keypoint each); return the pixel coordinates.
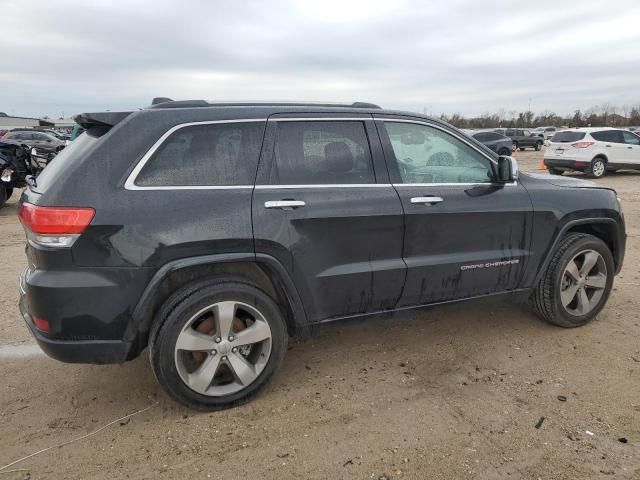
(223, 154)
(567, 137)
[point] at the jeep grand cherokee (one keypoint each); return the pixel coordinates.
(210, 233)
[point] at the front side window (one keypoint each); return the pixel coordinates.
(426, 154)
(322, 153)
(221, 154)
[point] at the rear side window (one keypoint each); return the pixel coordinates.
(614, 136)
(568, 137)
(222, 154)
(322, 152)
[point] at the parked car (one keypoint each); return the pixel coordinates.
(209, 233)
(35, 139)
(545, 132)
(524, 138)
(498, 143)
(17, 164)
(593, 150)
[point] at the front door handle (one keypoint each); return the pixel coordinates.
(426, 200)
(608, 146)
(284, 204)
(629, 148)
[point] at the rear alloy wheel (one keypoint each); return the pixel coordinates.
(218, 344)
(577, 282)
(597, 168)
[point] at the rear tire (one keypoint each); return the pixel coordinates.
(9, 192)
(538, 146)
(598, 168)
(566, 301)
(3, 195)
(554, 171)
(217, 368)
(505, 152)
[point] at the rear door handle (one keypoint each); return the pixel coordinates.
(284, 204)
(608, 146)
(629, 148)
(426, 200)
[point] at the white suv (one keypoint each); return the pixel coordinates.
(545, 132)
(593, 150)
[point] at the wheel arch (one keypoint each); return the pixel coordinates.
(603, 157)
(260, 270)
(606, 229)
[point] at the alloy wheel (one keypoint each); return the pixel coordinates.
(583, 282)
(223, 348)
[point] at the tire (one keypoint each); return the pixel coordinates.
(554, 171)
(3, 195)
(9, 192)
(504, 152)
(555, 285)
(538, 146)
(178, 319)
(515, 146)
(598, 168)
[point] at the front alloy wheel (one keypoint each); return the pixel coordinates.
(583, 282)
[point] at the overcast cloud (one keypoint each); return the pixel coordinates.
(465, 56)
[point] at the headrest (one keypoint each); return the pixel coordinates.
(339, 157)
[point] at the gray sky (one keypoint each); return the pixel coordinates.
(466, 56)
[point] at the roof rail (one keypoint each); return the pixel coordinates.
(164, 102)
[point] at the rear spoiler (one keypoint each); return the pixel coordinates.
(99, 123)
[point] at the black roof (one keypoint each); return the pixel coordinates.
(164, 102)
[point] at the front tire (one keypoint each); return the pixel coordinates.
(577, 282)
(538, 146)
(216, 344)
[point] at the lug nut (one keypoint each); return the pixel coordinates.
(218, 339)
(234, 349)
(224, 357)
(213, 352)
(231, 338)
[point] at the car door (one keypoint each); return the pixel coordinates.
(632, 142)
(324, 208)
(464, 235)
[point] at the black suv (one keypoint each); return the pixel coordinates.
(524, 138)
(212, 232)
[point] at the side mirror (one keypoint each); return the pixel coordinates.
(507, 169)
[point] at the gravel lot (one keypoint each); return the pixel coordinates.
(453, 392)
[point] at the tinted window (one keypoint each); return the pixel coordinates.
(427, 155)
(567, 137)
(550, 129)
(510, 133)
(322, 152)
(608, 136)
(487, 136)
(631, 139)
(206, 155)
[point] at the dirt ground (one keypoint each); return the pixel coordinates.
(453, 392)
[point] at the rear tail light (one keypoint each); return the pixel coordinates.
(41, 324)
(582, 144)
(54, 226)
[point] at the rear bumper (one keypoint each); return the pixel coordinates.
(87, 351)
(566, 164)
(77, 334)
